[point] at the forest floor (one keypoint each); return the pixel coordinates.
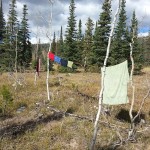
(66, 122)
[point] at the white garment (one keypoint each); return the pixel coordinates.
(115, 84)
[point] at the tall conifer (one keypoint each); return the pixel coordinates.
(137, 50)
(2, 23)
(88, 41)
(121, 48)
(146, 50)
(2, 34)
(80, 40)
(12, 18)
(101, 34)
(61, 43)
(53, 47)
(71, 51)
(12, 29)
(25, 51)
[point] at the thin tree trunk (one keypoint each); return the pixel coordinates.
(37, 47)
(85, 64)
(16, 75)
(102, 80)
(131, 133)
(50, 28)
(47, 79)
(132, 84)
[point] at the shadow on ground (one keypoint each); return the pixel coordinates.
(110, 147)
(123, 115)
(19, 129)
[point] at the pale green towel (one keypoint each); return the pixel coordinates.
(115, 84)
(70, 63)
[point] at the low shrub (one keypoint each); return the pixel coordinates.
(6, 100)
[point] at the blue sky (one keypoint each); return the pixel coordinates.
(144, 29)
(39, 13)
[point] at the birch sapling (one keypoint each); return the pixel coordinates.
(50, 41)
(132, 131)
(102, 80)
(16, 57)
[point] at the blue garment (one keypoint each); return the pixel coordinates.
(57, 59)
(1, 42)
(64, 62)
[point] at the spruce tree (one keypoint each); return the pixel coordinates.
(80, 30)
(71, 52)
(137, 50)
(2, 23)
(12, 18)
(146, 50)
(9, 39)
(80, 40)
(93, 57)
(121, 48)
(12, 29)
(2, 34)
(25, 50)
(88, 40)
(101, 34)
(61, 44)
(53, 47)
(6, 59)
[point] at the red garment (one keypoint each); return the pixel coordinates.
(38, 66)
(51, 56)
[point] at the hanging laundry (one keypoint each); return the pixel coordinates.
(115, 84)
(57, 59)
(51, 56)
(70, 63)
(63, 62)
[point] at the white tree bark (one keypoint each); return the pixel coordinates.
(131, 133)
(16, 57)
(131, 81)
(49, 37)
(37, 48)
(102, 80)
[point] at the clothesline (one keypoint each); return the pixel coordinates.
(61, 61)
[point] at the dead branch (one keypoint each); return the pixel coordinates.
(105, 123)
(69, 114)
(142, 103)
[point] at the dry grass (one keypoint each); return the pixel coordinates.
(42, 129)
